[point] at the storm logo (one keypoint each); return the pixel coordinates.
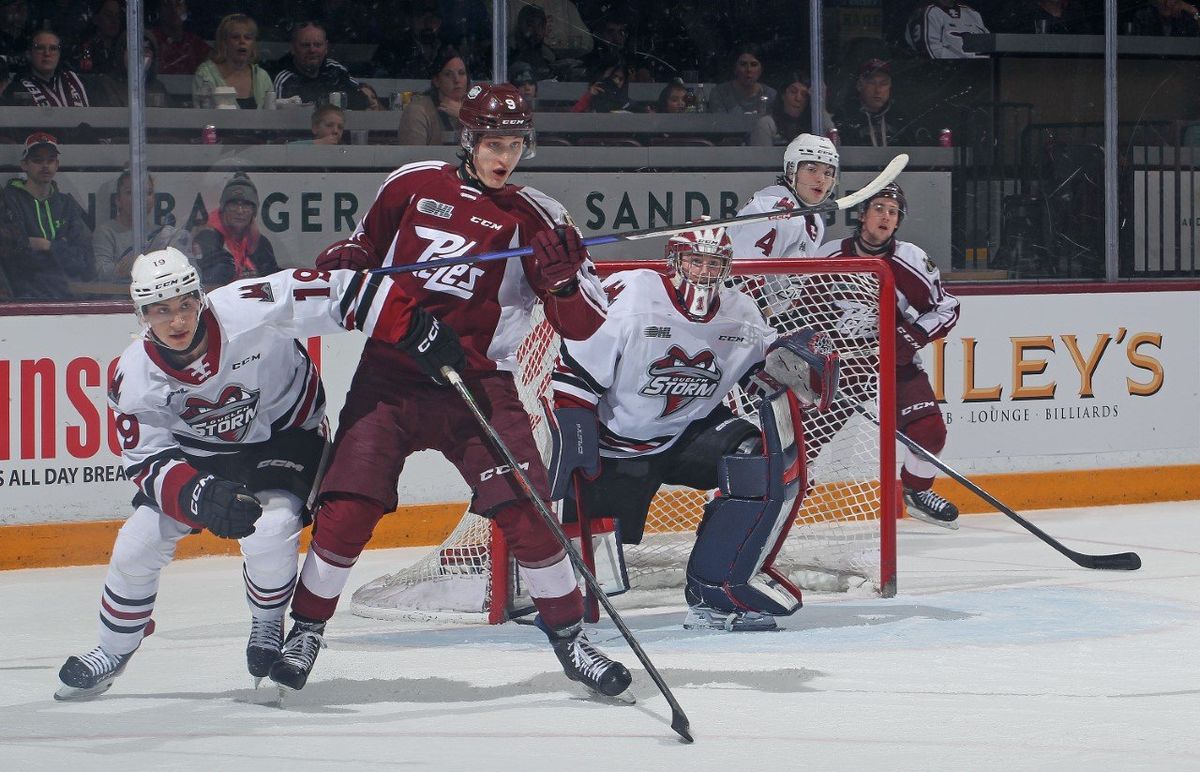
(228, 419)
(682, 379)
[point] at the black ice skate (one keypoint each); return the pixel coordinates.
(300, 651)
(90, 675)
(705, 617)
(584, 663)
(264, 647)
(929, 507)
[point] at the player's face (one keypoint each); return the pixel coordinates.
(813, 181)
(495, 158)
(880, 221)
(702, 270)
(174, 321)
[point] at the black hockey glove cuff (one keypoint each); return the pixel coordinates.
(432, 345)
(224, 507)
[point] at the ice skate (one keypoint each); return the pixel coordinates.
(90, 675)
(264, 647)
(705, 617)
(584, 663)
(929, 507)
(299, 654)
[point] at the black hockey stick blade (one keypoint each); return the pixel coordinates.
(679, 721)
(889, 173)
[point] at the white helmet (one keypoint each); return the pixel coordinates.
(807, 148)
(697, 294)
(162, 275)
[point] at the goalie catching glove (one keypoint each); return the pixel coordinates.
(432, 345)
(226, 508)
(806, 363)
(558, 255)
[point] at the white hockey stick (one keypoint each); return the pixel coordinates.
(679, 721)
(889, 173)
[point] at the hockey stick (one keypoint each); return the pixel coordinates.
(679, 721)
(1121, 561)
(889, 173)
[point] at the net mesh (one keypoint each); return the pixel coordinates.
(835, 542)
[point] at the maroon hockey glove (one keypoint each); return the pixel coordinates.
(557, 257)
(909, 340)
(346, 254)
(226, 508)
(432, 345)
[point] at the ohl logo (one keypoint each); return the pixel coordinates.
(228, 419)
(682, 379)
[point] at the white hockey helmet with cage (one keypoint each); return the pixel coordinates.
(698, 286)
(161, 275)
(808, 148)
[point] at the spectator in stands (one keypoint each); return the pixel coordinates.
(608, 91)
(429, 116)
(328, 126)
(234, 63)
(529, 43)
(347, 21)
(112, 89)
(15, 31)
(672, 98)
(97, 53)
(230, 246)
(935, 29)
(1047, 17)
(521, 75)
(48, 83)
(308, 72)
(566, 34)
(872, 118)
(71, 19)
(792, 114)
(180, 51)
(745, 93)
(1166, 18)
(413, 54)
(112, 242)
(373, 102)
(614, 39)
(60, 244)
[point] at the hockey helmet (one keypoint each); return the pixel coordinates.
(498, 109)
(808, 148)
(892, 191)
(162, 275)
(696, 283)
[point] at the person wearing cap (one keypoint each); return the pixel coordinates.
(871, 118)
(59, 241)
(48, 82)
(230, 246)
(936, 29)
(520, 75)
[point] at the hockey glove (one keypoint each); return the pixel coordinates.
(806, 363)
(432, 345)
(346, 254)
(909, 340)
(557, 257)
(226, 508)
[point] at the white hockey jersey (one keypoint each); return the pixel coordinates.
(255, 379)
(796, 236)
(650, 370)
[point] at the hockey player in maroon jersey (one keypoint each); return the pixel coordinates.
(470, 317)
(642, 403)
(924, 312)
(221, 418)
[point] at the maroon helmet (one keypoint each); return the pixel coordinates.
(894, 192)
(496, 108)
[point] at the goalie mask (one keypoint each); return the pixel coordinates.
(700, 262)
(162, 275)
(496, 109)
(806, 149)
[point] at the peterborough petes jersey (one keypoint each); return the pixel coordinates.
(650, 370)
(791, 237)
(255, 379)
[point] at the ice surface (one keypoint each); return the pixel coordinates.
(998, 653)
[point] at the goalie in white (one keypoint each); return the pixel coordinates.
(641, 403)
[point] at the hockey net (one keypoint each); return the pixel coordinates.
(843, 536)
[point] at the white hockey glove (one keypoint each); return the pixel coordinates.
(806, 363)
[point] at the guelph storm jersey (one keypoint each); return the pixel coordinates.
(792, 237)
(650, 370)
(255, 379)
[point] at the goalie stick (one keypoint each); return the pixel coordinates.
(1121, 561)
(679, 721)
(889, 173)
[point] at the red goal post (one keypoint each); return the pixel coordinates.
(844, 533)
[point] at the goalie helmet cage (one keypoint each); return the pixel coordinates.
(845, 527)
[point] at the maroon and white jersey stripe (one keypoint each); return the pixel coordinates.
(650, 370)
(64, 89)
(254, 380)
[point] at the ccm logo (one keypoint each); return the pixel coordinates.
(734, 338)
(916, 407)
(488, 474)
(281, 462)
(487, 223)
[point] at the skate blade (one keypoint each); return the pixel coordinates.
(624, 698)
(915, 514)
(70, 693)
